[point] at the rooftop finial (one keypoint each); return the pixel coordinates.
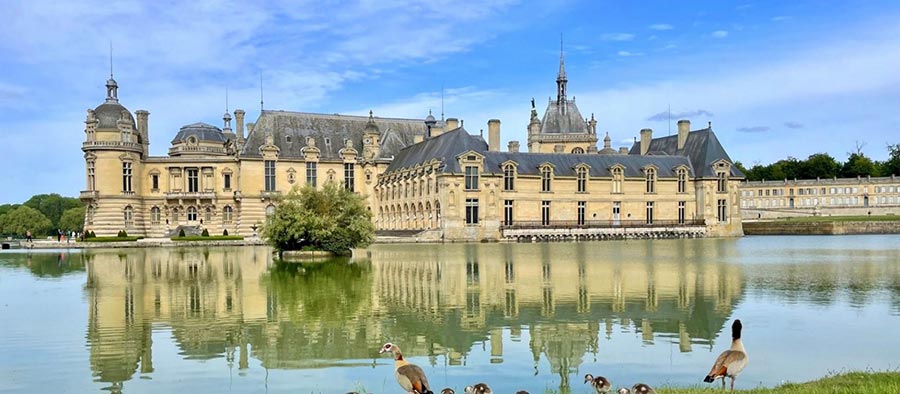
(442, 102)
(112, 94)
(371, 115)
(110, 60)
(260, 92)
(226, 99)
(561, 76)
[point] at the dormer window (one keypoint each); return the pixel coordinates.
(618, 177)
(682, 180)
(546, 177)
(509, 177)
(722, 182)
(582, 174)
(650, 180)
(472, 176)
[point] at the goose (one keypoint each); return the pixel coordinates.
(521, 392)
(599, 383)
(638, 388)
(479, 388)
(732, 361)
(409, 375)
(448, 391)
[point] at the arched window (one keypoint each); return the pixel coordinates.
(682, 180)
(129, 216)
(227, 214)
(650, 177)
(91, 180)
(618, 176)
(578, 151)
(509, 177)
(154, 215)
(582, 179)
(270, 210)
(546, 176)
(175, 214)
(208, 215)
(192, 214)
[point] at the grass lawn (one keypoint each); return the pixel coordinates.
(112, 239)
(209, 238)
(852, 382)
(860, 218)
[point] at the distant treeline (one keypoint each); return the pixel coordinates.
(822, 165)
(42, 214)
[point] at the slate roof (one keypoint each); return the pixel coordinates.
(109, 113)
(565, 120)
(701, 147)
(444, 147)
(330, 131)
(203, 132)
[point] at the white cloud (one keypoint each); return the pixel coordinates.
(720, 34)
(617, 37)
(629, 54)
(780, 18)
(662, 26)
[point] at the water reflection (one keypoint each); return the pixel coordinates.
(45, 265)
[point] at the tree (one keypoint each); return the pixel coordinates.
(858, 165)
(7, 207)
(819, 165)
(22, 219)
(332, 219)
(72, 219)
(892, 165)
(52, 206)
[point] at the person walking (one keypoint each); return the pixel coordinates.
(58, 235)
(28, 236)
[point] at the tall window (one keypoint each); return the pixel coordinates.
(681, 212)
(582, 179)
(91, 183)
(227, 214)
(154, 182)
(349, 176)
(682, 180)
(722, 182)
(546, 174)
(270, 212)
(192, 214)
(508, 212)
(723, 210)
(618, 177)
(89, 215)
(471, 178)
(227, 182)
(193, 178)
(311, 173)
(270, 175)
(509, 177)
(129, 216)
(649, 212)
(471, 211)
(651, 180)
(581, 208)
(154, 215)
(428, 188)
(545, 213)
(175, 215)
(616, 212)
(126, 176)
(207, 215)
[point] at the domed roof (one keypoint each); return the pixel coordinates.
(109, 113)
(201, 131)
(430, 118)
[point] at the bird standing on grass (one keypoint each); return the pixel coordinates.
(409, 376)
(599, 383)
(638, 388)
(479, 388)
(732, 361)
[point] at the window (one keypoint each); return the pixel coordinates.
(270, 175)
(193, 180)
(227, 214)
(681, 212)
(154, 182)
(126, 176)
(581, 208)
(89, 215)
(546, 174)
(175, 215)
(682, 180)
(311, 173)
(582, 179)
(545, 213)
(91, 183)
(650, 176)
(509, 177)
(578, 151)
(129, 216)
(616, 212)
(154, 215)
(270, 211)
(227, 182)
(723, 210)
(207, 215)
(618, 176)
(471, 211)
(649, 212)
(471, 178)
(507, 212)
(192, 214)
(722, 182)
(348, 176)
(428, 188)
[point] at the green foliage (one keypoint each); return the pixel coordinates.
(72, 219)
(892, 165)
(7, 207)
(331, 219)
(90, 234)
(24, 218)
(859, 165)
(112, 239)
(822, 165)
(225, 232)
(52, 206)
(205, 233)
(819, 165)
(122, 234)
(181, 233)
(209, 238)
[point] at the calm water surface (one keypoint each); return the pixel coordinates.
(518, 316)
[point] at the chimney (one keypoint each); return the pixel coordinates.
(646, 136)
(684, 127)
(436, 131)
(494, 135)
(418, 138)
(513, 147)
(142, 129)
(452, 124)
(623, 150)
(239, 119)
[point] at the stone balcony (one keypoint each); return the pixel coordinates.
(204, 195)
(87, 195)
(112, 145)
(269, 195)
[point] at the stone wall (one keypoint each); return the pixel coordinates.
(821, 228)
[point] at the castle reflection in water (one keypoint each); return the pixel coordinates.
(437, 301)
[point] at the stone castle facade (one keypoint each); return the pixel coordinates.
(417, 175)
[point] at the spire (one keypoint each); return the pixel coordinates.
(227, 117)
(561, 77)
(112, 88)
(260, 92)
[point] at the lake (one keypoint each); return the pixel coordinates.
(516, 316)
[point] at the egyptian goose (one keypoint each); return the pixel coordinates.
(732, 361)
(448, 391)
(409, 375)
(639, 388)
(521, 392)
(479, 388)
(601, 384)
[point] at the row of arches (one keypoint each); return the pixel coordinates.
(421, 216)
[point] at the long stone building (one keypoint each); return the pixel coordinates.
(425, 175)
(820, 197)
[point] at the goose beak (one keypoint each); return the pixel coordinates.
(382, 350)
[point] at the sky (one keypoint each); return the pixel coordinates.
(776, 79)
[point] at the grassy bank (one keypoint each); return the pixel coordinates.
(858, 218)
(209, 238)
(112, 239)
(845, 383)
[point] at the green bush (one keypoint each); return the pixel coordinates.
(90, 234)
(225, 232)
(181, 232)
(332, 219)
(122, 234)
(209, 238)
(205, 233)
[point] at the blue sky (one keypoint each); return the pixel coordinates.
(776, 78)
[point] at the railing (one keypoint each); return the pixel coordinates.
(200, 149)
(205, 195)
(113, 144)
(273, 194)
(89, 194)
(537, 224)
